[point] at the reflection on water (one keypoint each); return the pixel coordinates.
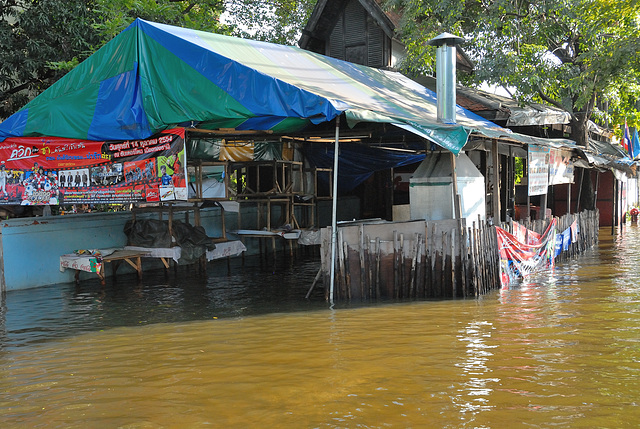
(246, 350)
(478, 388)
(38, 315)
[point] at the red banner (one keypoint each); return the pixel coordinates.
(50, 170)
(519, 259)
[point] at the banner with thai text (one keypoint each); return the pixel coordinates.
(519, 259)
(51, 170)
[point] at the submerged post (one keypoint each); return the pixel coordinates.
(457, 204)
(614, 201)
(334, 212)
(495, 178)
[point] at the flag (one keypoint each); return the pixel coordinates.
(634, 149)
(626, 140)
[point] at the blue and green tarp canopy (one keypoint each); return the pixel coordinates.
(153, 77)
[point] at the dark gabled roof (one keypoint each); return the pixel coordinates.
(326, 13)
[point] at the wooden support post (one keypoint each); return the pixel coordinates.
(395, 265)
(504, 181)
(315, 280)
(334, 208)
(596, 189)
(621, 212)
(344, 288)
(367, 255)
(414, 256)
(510, 199)
(463, 253)
(495, 160)
(347, 276)
(196, 215)
(171, 220)
(273, 249)
(614, 201)
(433, 279)
(223, 223)
(377, 250)
(569, 198)
(402, 286)
(454, 291)
(579, 190)
(363, 273)
(443, 264)
(268, 214)
(454, 181)
(199, 180)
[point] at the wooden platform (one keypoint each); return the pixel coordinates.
(93, 264)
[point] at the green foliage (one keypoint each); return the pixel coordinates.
(116, 15)
(39, 41)
(574, 54)
(277, 21)
(519, 170)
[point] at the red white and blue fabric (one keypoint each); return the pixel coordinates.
(626, 140)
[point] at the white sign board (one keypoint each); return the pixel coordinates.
(538, 169)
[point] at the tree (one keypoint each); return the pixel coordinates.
(116, 15)
(276, 21)
(578, 55)
(36, 37)
(40, 40)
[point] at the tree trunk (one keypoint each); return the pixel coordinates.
(588, 195)
(579, 129)
(580, 133)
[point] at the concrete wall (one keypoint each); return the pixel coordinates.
(32, 246)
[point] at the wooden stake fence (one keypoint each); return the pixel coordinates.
(429, 259)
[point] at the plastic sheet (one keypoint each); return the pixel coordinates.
(518, 259)
(193, 240)
(356, 162)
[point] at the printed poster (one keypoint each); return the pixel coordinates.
(538, 169)
(560, 167)
(56, 171)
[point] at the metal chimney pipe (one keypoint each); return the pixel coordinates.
(446, 76)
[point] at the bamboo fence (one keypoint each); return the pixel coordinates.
(428, 259)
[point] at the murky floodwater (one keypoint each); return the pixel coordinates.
(237, 351)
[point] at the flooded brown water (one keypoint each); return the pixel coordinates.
(560, 350)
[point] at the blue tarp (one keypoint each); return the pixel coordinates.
(154, 76)
(356, 162)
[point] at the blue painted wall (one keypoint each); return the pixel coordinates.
(31, 247)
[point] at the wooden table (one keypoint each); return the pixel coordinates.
(131, 257)
(93, 264)
(165, 254)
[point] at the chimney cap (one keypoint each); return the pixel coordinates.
(445, 39)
